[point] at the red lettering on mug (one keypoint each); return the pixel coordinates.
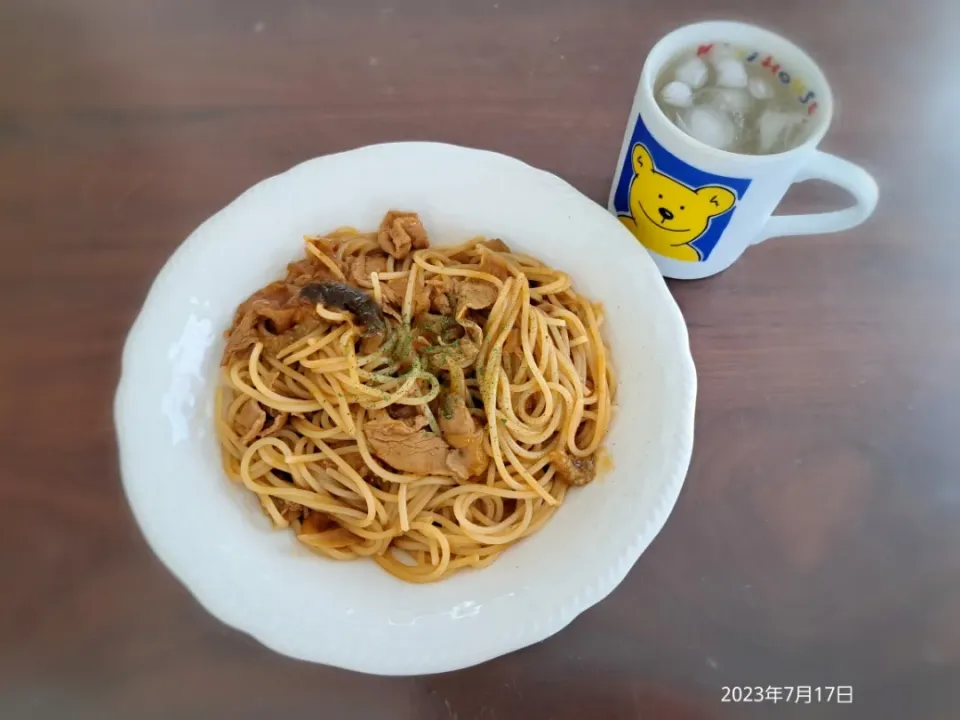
(704, 49)
(811, 109)
(768, 63)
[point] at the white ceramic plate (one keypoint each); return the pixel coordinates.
(213, 535)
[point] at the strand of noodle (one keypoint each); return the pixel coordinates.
(346, 345)
(303, 497)
(491, 379)
(546, 319)
(576, 381)
(441, 540)
(343, 420)
(576, 408)
(306, 477)
(580, 363)
(453, 272)
(571, 320)
(395, 397)
(431, 419)
(362, 244)
(384, 533)
(434, 553)
(336, 234)
(519, 451)
(312, 431)
(539, 341)
(303, 347)
(507, 494)
(267, 504)
(531, 265)
(528, 350)
(561, 283)
(341, 482)
(522, 472)
(402, 501)
(316, 346)
(491, 538)
(406, 312)
(505, 258)
(322, 257)
(463, 508)
(361, 485)
(286, 405)
(423, 497)
(332, 315)
(402, 399)
(288, 384)
(464, 247)
(603, 407)
(327, 364)
(325, 550)
(338, 490)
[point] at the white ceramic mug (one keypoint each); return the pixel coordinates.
(726, 200)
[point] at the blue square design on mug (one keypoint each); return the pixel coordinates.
(672, 208)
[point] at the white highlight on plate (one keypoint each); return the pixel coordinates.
(186, 356)
(464, 609)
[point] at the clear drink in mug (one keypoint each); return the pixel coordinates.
(733, 99)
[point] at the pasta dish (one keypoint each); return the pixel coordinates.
(422, 406)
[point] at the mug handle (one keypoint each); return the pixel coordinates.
(838, 171)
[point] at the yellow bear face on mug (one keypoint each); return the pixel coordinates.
(666, 216)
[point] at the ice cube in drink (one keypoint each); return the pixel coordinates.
(677, 94)
(714, 96)
(709, 125)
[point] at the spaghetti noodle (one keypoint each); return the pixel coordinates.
(425, 407)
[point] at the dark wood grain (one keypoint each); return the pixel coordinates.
(817, 539)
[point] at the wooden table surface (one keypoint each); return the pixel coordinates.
(817, 538)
